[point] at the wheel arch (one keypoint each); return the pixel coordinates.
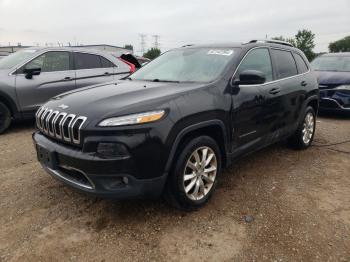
(213, 128)
(314, 103)
(4, 98)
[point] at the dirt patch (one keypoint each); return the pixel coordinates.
(299, 202)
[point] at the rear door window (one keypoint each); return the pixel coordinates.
(302, 67)
(285, 63)
(105, 63)
(87, 61)
(257, 59)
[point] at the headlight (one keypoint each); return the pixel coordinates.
(133, 119)
(343, 87)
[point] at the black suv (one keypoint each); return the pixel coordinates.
(173, 125)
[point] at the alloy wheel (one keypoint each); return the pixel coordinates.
(309, 128)
(200, 173)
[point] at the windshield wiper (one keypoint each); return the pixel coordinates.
(165, 81)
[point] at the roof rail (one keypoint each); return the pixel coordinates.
(271, 41)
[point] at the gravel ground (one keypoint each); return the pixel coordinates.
(275, 205)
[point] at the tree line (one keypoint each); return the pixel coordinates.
(304, 40)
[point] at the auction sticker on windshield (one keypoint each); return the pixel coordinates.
(226, 52)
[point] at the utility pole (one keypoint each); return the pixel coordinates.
(143, 43)
(156, 41)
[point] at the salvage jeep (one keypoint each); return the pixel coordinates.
(170, 128)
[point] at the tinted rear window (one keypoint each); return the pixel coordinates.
(87, 61)
(302, 67)
(285, 64)
(106, 63)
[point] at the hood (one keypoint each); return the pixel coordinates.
(333, 78)
(119, 98)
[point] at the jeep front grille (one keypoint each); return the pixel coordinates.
(60, 125)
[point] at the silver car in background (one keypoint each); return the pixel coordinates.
(30, 77)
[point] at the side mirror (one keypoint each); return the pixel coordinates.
(30, 72)
(251, 77)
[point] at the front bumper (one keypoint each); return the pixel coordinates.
(335, 100)
(110, 178)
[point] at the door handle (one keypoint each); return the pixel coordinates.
(303, 83)
(106, 73)
(67, 78)
(274, 91)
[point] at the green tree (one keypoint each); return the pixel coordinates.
(304, 40)
(342, 45)
(152, 53)
(129, 47)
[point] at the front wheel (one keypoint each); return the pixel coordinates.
(194, 177)
(304, 135)
(5, 117)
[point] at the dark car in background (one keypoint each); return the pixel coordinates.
(333, 73)
(30, 77)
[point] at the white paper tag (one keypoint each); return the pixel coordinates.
(226, 52)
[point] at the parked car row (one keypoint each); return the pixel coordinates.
(171, 126)
(30, 77)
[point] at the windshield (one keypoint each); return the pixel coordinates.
(332, 63)
(16, 58)
(186, 65)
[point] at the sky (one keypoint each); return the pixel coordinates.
(179, 22)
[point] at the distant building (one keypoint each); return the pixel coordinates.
(109, 48)
(6, 50)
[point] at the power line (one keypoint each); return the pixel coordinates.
(156, 41)
(143, 43)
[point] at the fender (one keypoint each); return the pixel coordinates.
(308, 100)
(301, 113)
(312, 97)
(186, 130)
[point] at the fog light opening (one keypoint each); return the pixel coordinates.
(112, 150)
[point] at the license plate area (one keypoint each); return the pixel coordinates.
(46, 157)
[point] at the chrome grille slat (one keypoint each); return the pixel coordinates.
(60, 136)
(42, 116)
(38, 115)
(45, 120)
(60, 125)
(51, 127)
(69, 118)
(83, 118)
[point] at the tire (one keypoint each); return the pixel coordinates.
(191, 183)
(5, 117)
(304, 135)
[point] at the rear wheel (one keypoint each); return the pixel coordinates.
(5, 117)
(304, 135)
(194, 177)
